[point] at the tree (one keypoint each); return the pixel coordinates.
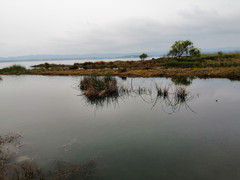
(195, 52)
(186, 48)
(220, 53)
(143, 56)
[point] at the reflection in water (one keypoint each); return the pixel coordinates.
(173, 102)
(171, 98)
(106, 101)
(133, 141)
(109, 100)
(186, 81)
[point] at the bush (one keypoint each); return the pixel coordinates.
(75, 66)
(183, 48)
(13, 69)
(143, 56)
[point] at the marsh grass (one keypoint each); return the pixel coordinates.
(172, 99)
(162, 91)
(126, 67)
(180, 94)
(13, 69)
(102, 91)
(159, 90)
(225, 65)
(98, 87)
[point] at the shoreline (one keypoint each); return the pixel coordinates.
(232, 73)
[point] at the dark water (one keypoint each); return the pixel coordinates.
(137, 137)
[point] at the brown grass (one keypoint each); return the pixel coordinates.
(181, 93)
(224, 72)
(99, 86)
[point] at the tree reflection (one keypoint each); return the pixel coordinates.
(186, 81)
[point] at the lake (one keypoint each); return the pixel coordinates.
(137, 136)
(28, 64)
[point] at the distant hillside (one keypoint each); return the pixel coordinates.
(225, 50)
(102, 56)
(65, 57)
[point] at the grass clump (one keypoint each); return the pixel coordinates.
(95, 87)
(162, 91)
(181, 94)
(13, 69)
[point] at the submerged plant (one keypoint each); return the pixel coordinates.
(162, 91)
(26, 169)
(173, 100)
(181, 94)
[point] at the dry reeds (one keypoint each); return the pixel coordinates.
(181, 94)
(95, 87)
(162, 91)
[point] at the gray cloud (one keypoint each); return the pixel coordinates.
(207, 27)
(137, 35)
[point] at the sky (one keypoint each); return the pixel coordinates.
(30, 27)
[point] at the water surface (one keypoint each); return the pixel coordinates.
(136, 137)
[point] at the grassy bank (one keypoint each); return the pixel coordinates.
(15, 69)
(206, 66)
(227, 72)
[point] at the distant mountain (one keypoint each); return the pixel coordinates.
(65, 57)
(225, 50)
(102, 56)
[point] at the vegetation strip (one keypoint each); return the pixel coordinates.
(206, 66)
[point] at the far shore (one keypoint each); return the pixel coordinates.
(206, 66)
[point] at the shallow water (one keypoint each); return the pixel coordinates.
(136, 137)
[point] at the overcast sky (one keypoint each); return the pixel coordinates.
(115, 26)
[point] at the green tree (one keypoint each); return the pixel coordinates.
(195, 52)
(220, 53)
(143, 56)
(183, 48)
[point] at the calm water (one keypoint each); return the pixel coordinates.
(137, 137)
(28, 64)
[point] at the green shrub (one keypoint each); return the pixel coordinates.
(220, 53)
(13, 69)
(143, 56)
(183, 48)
